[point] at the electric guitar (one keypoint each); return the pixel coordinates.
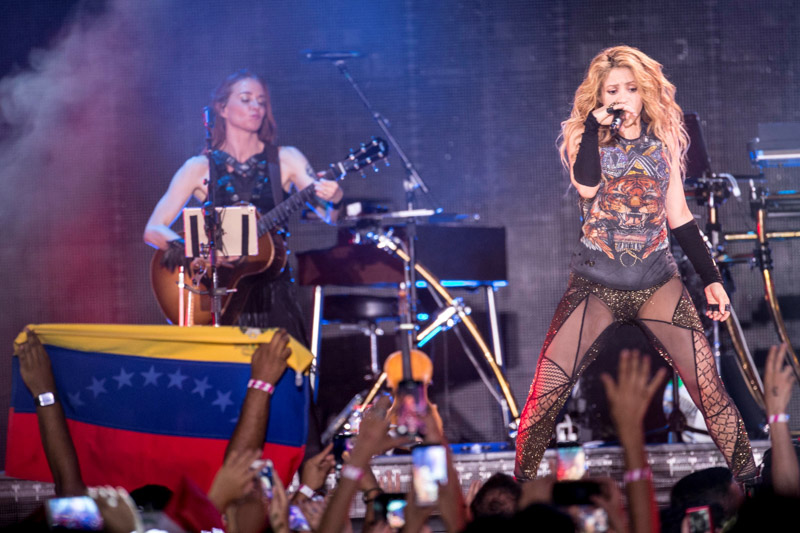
(240, 274)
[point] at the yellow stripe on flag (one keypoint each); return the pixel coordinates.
(225, 344)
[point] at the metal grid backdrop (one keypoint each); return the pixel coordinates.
(475, 91)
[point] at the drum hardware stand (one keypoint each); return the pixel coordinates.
(763, 256)
(394, 245)
(446, 319)
(714, 192)
(411, 183)
(676, 421)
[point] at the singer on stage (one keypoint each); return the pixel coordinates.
(243, 151)
(629, 175)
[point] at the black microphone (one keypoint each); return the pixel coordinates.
(329, 55)
(617, 122)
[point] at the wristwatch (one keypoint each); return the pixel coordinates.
(45, 399)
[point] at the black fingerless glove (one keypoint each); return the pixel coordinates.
(175, 255)
(693, 245)
(586, 169)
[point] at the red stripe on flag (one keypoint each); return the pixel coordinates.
(128, 458)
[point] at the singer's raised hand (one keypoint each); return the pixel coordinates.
(604, 117)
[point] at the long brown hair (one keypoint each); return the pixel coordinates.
(661, 112)
(219, 98)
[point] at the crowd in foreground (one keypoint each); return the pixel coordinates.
(245, 496)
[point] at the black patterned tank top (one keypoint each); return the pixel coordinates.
(623, 241)
(248, 182)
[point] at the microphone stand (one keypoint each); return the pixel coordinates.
(212, 223)
(411, 183)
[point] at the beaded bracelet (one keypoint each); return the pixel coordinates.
(780, 417)
(352, 472)
(638, 474)
(269, 388)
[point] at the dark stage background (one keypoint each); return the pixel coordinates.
(96, 116)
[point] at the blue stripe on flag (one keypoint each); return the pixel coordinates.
(165, 396)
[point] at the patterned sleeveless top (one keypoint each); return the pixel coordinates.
(623, 242)
(248, 182)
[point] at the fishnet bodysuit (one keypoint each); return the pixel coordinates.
(588, 314)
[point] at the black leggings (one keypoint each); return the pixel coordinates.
(588, 314)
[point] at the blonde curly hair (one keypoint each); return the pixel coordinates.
(661, 112)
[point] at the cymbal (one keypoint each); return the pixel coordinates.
(394, 218)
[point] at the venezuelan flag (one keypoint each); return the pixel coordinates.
(149, 404)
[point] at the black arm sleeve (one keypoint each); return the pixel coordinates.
(688, 236)
(586, 169)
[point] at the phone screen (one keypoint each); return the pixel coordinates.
(265, 477)
(411, 408)
(391, 507)
(79, 513)
(429, 469)
(342, 443)
(571, 463)
(700, 520)
(590, 519)
(297, 520)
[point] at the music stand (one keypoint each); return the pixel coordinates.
(237, 236)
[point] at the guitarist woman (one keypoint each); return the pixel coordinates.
(248, 166)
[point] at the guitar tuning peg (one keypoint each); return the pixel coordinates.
(362, 174)
(375, 168)
(369, 160)
(386, 162)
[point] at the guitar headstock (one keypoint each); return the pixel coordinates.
(365, 156)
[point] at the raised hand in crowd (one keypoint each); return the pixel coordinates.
(234, 479)
(778, 384)
(266, 367)
(610, 500)
(279, 507)
(373, 438)
(371, 489)
(474, 486)
(315, 471)
(416, 516)
(313, 510)
(269, 360)
(628, 399)
(117, 509)
(37, 374)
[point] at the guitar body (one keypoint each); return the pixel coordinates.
(241, 275)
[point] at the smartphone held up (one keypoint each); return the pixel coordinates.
(412, 408)
(429, 469)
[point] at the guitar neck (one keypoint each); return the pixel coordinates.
(368, 154)
(280, 213)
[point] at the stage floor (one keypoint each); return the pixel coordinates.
(669, 463)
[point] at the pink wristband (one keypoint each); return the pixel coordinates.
(352, 472)
(638, 474)
(269, 388)
(781, 417)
